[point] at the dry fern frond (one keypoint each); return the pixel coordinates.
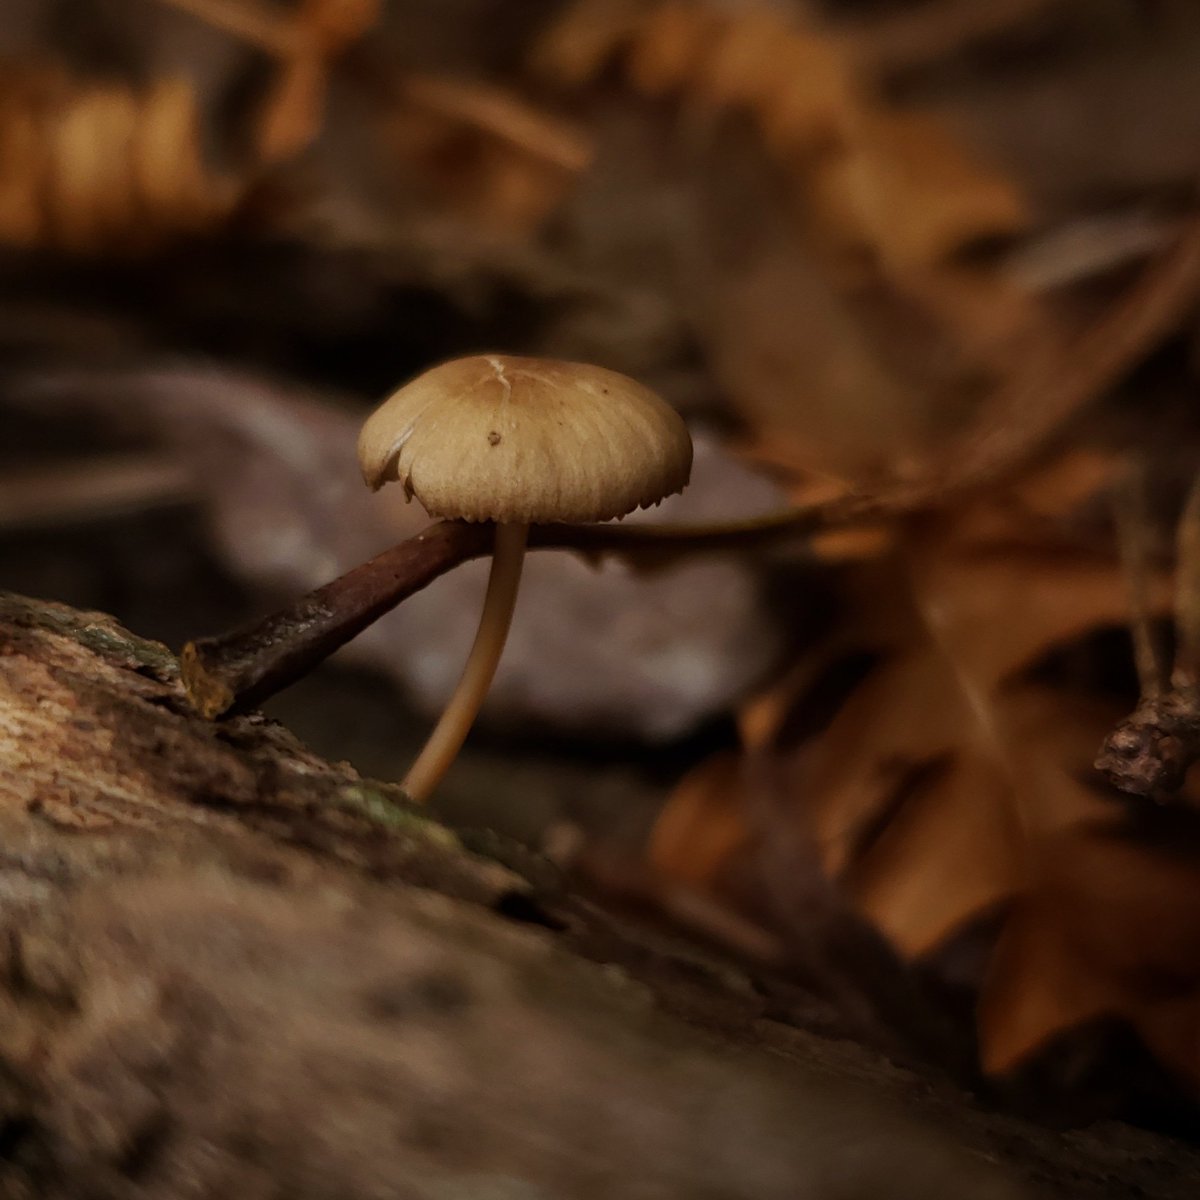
(91, 168)
(953, 781)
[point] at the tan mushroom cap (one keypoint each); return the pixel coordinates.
(499, 438)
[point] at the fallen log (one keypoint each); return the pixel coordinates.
(228, 967)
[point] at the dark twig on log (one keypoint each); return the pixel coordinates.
(236, 671)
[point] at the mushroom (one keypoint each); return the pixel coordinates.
(517, 441)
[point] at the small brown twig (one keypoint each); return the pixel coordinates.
(1150, 752)
(230, 673)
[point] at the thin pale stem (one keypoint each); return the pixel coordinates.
(455, 722)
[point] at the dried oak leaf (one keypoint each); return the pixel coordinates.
(952, 781)
(912, 193)
(826, 276)
(924, 787)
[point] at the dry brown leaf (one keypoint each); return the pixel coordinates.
(665, 46)
(809, 105)
(950, 408)
(91, 167)
(937, 771)
(292, 114)
(174, 187)
(1109, 926)
(827, 283)
(334, 24)
(260, 24)
(576, 47)
(840, 288)
(1037, 986)
(791, 350)
(957, 843)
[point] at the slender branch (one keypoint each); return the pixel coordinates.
(1187, 593)
(238, 670)
(1031, 410)
(500, 114)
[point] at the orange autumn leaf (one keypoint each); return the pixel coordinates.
(1110, 925)
(848, 288)
(487, 157)
(705, 828)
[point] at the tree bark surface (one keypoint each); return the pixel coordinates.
(230, 968)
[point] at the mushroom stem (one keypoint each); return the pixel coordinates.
(455, 722)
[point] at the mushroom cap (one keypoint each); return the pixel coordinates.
(499, 438)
